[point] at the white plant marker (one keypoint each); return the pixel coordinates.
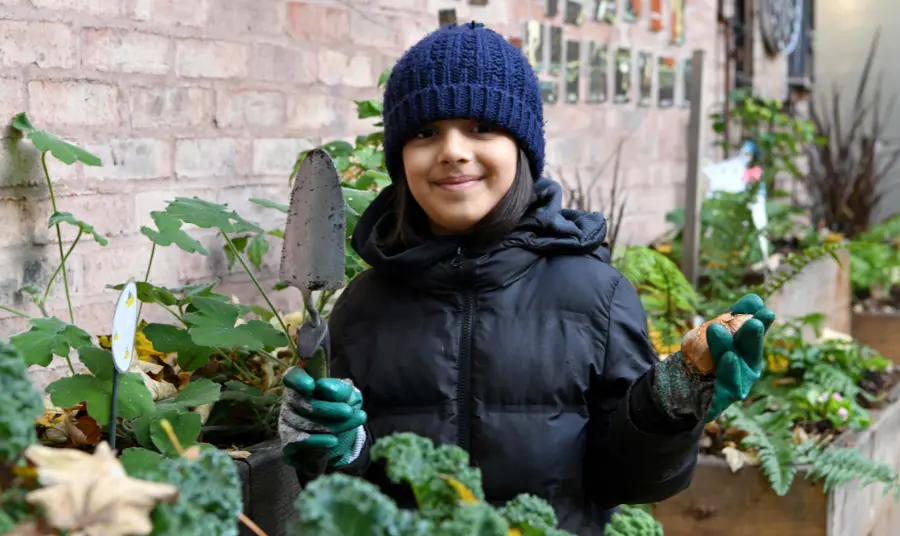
(124, 329)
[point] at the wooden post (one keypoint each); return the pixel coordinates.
(690, 262)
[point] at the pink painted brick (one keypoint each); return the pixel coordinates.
(171, 12)
(282, 64)
(317, 22)
(376, 30)
(250, 109)
(157, 200)
(11, 98)
(245, 16)
(33, 267)
(111, 49)
(16, 221)
(22, 167)
(110, 215)
(338, 68)
(172, 107)
(210, 59)
(206, 158)
(95, 7)
(276, 156)
(74, 103)
(315, 110)
(45, 44)
(141, 158)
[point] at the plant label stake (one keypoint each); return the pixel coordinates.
(312, 257)
(124, 330)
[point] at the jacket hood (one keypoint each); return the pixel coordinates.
(546, 229)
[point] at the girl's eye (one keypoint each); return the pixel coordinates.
(424, 133)
(483, 128)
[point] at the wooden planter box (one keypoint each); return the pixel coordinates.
(822, 287)
(269, 487)
(880, 331)
(720, 502)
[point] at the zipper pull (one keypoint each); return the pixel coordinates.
(457, 261)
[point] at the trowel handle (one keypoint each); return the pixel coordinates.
(314, 348)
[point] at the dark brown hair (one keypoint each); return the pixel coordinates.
(412, 222)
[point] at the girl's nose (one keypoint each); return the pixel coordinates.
(455, 147)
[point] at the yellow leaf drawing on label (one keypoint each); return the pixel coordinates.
(130, 300)
(127, 354)
(116, 336)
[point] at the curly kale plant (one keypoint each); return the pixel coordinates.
(448, 494)
(21, 404)
(209, 501)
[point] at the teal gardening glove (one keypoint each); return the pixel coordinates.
(321, 421)
(687, 383)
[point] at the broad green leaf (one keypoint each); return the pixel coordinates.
(186, 426)
(240, 244)
(137, 460)
(149, 293)
(281, 285)
(196, 393)
(170, 232)
(170, 339)
(213, 324)
(64, 151)
(369, 108)
(383, 77)
(66, 217)
(369, 178)
(277, 233)
(370, 158)
(202, 290)
(263, 312)
(48, 337)
(134, 397)
(358, 200)
(259, 246)
(338, 148)
(98, 361)
(281, 207)
(206, 214)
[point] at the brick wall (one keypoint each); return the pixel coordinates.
(214, 98)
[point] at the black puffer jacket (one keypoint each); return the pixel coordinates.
(532, 356)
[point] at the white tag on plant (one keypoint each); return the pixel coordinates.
(124, 328)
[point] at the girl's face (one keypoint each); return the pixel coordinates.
(457, 170)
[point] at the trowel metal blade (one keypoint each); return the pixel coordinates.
(312, 257)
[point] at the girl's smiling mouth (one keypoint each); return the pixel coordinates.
(458, 182)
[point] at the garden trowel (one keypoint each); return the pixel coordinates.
(312, 257)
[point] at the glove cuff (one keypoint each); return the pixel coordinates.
(679, 390)
(356, 448)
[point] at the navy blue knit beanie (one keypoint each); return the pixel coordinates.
(469, 72)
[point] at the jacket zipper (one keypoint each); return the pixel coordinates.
(463, 398)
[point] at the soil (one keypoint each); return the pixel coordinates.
(863, 301)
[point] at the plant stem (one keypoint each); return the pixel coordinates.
(13, 311)
(59, 267)
(173, 313)
(146, 279)
(58, 239)
(240, 258)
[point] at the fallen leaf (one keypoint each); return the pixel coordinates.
(239, 454)
(738, 458)
(92, 493)
(26, 529)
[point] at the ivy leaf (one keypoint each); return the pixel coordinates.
(170, 232)
(136, 460)
(369, 108)
(98, 361)
(196, 393)
(64, 151)
(149, 293)
(134, 398)
(206, 215)
(66, 217)
(259, 246)
(167, 338)
(213, 324)
(281, 207)
(186, 426)
(48, 337)
(370, 158)
(383, 77)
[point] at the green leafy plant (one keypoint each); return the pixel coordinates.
(448, 493)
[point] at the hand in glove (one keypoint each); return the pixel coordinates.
(718, 363)
(320, 421)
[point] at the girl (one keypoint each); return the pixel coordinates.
(491, 317)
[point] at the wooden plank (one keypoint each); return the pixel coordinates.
(880, 331)
(690, 263)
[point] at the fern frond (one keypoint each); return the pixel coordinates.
(831, 378)
(770, 434)
(796, 262)
(839, 466)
